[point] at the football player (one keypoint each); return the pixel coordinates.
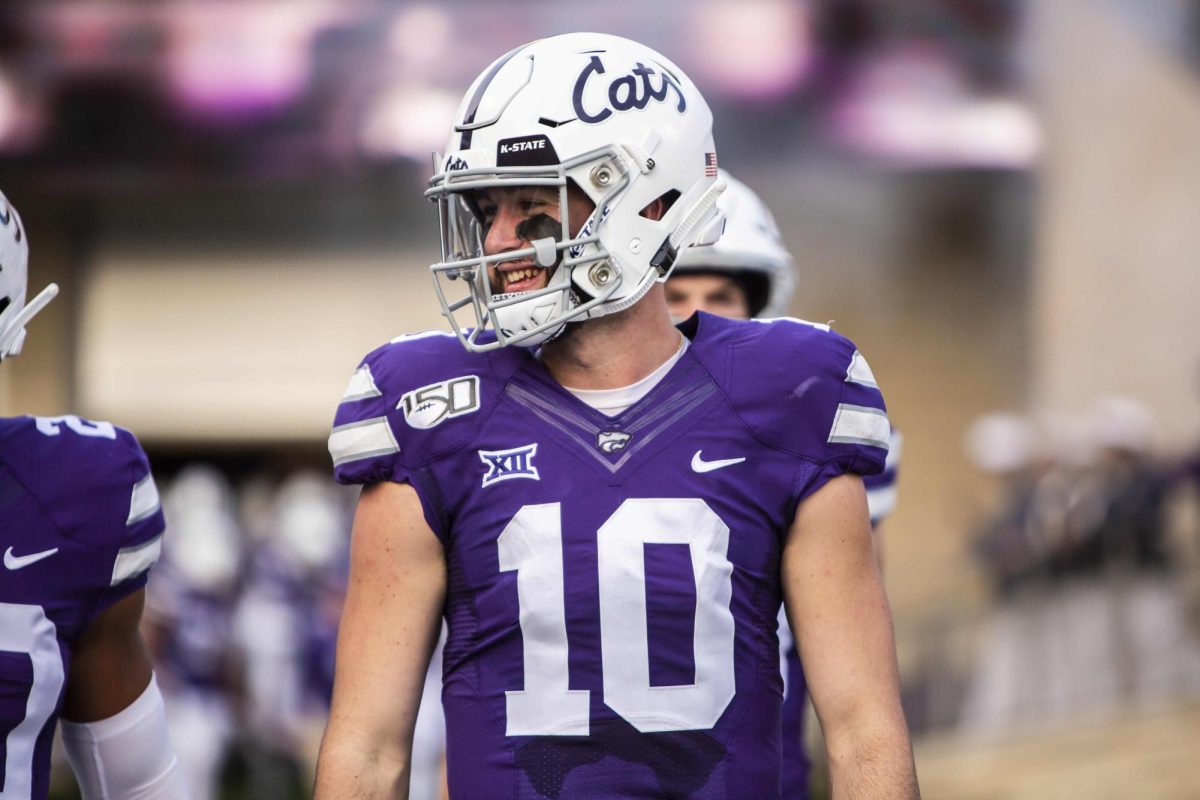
(749, 273)
(609, 513)
(80, 527)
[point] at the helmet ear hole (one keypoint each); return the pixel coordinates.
(5, 302)
(659, 206)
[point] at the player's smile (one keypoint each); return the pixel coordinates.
(521, 276)
(513, 218)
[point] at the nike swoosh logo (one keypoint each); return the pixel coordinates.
(700, 465)
(20, 562)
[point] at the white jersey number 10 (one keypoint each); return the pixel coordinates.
(531, 544)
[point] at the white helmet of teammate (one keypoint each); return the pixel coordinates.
(1002, 443)
(312, 525)
(620, 122)
(205, 546)
(14, 277)
(751, 251)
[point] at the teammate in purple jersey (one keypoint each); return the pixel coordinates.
(749, 273)
(80, 526)
(608, 523)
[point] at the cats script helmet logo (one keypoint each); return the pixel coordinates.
(432, 405)
(637, 89)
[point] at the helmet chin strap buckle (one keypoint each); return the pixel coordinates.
(664, 258)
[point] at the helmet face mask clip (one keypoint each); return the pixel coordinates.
(15, 313)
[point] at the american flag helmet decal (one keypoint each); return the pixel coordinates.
(710, 165)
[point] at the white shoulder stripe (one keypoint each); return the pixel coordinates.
(860, 425)
(362, 385)
(411, 337)
(364, 439)
(144, 501)
(860, 371)
(133, 561)
(818, 325)
(895, 445)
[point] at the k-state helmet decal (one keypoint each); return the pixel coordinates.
(525, 151)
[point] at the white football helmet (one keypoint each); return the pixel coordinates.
(205, 549)
(312, 526)
(14, 277)
(623, 124)
(750, 251)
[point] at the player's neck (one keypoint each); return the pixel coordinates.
(617, 350)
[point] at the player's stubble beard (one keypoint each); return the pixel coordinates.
(544, 226)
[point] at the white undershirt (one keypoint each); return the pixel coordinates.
(611, 402)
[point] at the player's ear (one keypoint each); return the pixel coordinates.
(659, 206)
(655, 210)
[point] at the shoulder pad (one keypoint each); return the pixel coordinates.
(411, 400)
(801, 387)
(95, 481)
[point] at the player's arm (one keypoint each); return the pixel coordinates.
(839, 612)
(114, 727)
(389, 627)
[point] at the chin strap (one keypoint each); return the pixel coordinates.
(13, 336)
(683, 233)
(664, 259)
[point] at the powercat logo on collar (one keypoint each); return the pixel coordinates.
(612, 441)
(526, 151)
(637, 89)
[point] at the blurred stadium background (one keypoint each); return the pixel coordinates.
(998, 200)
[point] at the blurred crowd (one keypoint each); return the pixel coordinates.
(1080, 494)
(1091, 551)
(242, 620)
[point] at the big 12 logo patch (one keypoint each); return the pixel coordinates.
(432, 405)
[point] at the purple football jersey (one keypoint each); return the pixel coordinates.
(80, 526)
(613, 582)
